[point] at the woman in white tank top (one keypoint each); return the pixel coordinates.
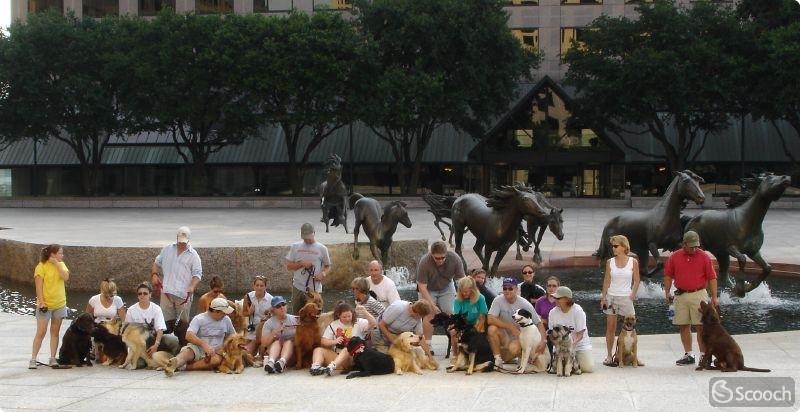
(620, 284)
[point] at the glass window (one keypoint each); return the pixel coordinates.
(5, 182)
(333, 4)
(568, 34)
(153, 7)
(522, 2)
(268, 6)
(529, 38)
(213, 6)
(581, 1)
(35, 6)
(100, 8)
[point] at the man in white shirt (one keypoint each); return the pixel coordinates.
(182, 270)
(384, 288)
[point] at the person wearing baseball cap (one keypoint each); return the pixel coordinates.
(277, 337)
(206, 335)
(503, 330)
(309, 262)
(176, 271)
(691, 270)
(570, 314)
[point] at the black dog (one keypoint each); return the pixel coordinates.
(368, 361)
(111, 345)
(77, 343)
(458, 322)
(474, 349)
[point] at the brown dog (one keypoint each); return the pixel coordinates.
(720, 344)
(238, 318)
(408, 356)
(627, 343)
(325, 318)
(234, 355)
(308, 336)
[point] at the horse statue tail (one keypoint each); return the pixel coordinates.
(353, 199)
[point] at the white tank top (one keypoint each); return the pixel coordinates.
(621, 278)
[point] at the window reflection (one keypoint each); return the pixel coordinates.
(581, 1)
(100, 8)
(568, 34)
(523, 2)
(35, 6)
(153, 7)
(333, 4)
(529, 37)
(213, 6)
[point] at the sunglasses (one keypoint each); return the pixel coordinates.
(143, 293)
(508, 288)
(280, 305)
(527, 272)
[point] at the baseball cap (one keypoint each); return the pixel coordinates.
(221, 304)
(183, 234)
(307, 231)
(691, 239)
(563, 292)
(277, 300)
(509, 282)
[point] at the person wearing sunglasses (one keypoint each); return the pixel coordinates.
(146, 312)
(544, 305)
(277, 337)
(206, 335)
(528, 289)
(620, 285)
(436, 273)
(503, 331)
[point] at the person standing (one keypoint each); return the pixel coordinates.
(384, 287)
(51, 300)
(691, 270)
(309, 262)
(528, 289)
(436, 272)
(620, 285)
(181, 270)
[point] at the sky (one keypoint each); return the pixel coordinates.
(5, 13)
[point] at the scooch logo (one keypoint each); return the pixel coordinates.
(751, 392)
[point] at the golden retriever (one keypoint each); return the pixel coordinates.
(234, 355)
(408, 356)
(325, 318)
(238, 318)
(308, 335)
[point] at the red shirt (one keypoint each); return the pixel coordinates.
(690, 271)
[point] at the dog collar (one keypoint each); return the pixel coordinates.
(630, 330)
(525, 326)
(358, 349)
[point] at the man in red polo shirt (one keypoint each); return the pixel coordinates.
(693, 273)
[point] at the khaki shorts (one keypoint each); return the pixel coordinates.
(171, 307)
(199, 353)
(619, 305)
(687, 308)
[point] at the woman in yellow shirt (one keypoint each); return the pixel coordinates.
(51, 300)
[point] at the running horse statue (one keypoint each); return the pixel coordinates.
(657, 228)
(333, 194)
(494, 222)
(738, 231)
(379, 226)
(553, 220)
(441, 207)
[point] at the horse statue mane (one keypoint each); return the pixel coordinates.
(501, 197)
(388, 208)
(747, 186)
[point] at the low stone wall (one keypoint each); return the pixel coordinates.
(236, 265)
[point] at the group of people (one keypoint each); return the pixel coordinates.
(378, 315)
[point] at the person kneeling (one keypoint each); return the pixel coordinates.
(206, 334)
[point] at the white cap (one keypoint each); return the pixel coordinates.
(183, 234)
(221, 304)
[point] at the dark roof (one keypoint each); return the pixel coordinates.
(447, 145)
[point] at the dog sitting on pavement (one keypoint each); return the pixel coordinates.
(110, 344)
(627, 343)
(565, 360)
(720, 344)
(474, 351)
(76, 345)
(529, 339)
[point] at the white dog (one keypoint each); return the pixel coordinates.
(529, 339)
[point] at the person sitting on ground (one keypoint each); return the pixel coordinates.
(503, 331)
(206, 334)
(479, 275)
(257, 305)
(216, 286)
(570, 314)
(528, 289)
(106, 305)
(544, 305)
(364, 298)
(403, 316)
(470, 303)
(384, 287)
(145, 312)
(277, 337)
(333, 353)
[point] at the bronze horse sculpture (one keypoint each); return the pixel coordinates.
(494, 222)
(553, 220)
(332, 194)
(441, 207)
(657, 228)
(738, 232)
(379, 226)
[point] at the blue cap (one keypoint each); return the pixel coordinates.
(277, 300)
(509, 282)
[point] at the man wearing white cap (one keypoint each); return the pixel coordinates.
(206, 334)
(182, 270)
(309, 262)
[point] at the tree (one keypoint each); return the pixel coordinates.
(436, 62)
(187, 76)
(673, 67)
(306, 77)
(56, 86)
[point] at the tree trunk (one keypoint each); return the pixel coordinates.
(87, 182)
(197, 176)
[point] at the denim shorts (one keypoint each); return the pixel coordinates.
(59, 313)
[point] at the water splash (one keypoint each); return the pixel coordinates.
(401, 277)
(762, 295)
(494, 284)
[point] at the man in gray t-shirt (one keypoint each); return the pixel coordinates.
(436, 272)
(503, 331)
(402, 316)
(309, 262)
(206, 334)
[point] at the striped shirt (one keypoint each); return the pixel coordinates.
(179, 270)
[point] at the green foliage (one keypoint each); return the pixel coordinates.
(673, 67)
(436, 62)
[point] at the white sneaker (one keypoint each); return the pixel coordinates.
(33, 364)
(52, 362)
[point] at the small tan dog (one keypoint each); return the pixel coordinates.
(627, 343)
(234, 355)
(408, 356)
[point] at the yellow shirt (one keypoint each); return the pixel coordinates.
(55, 296)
